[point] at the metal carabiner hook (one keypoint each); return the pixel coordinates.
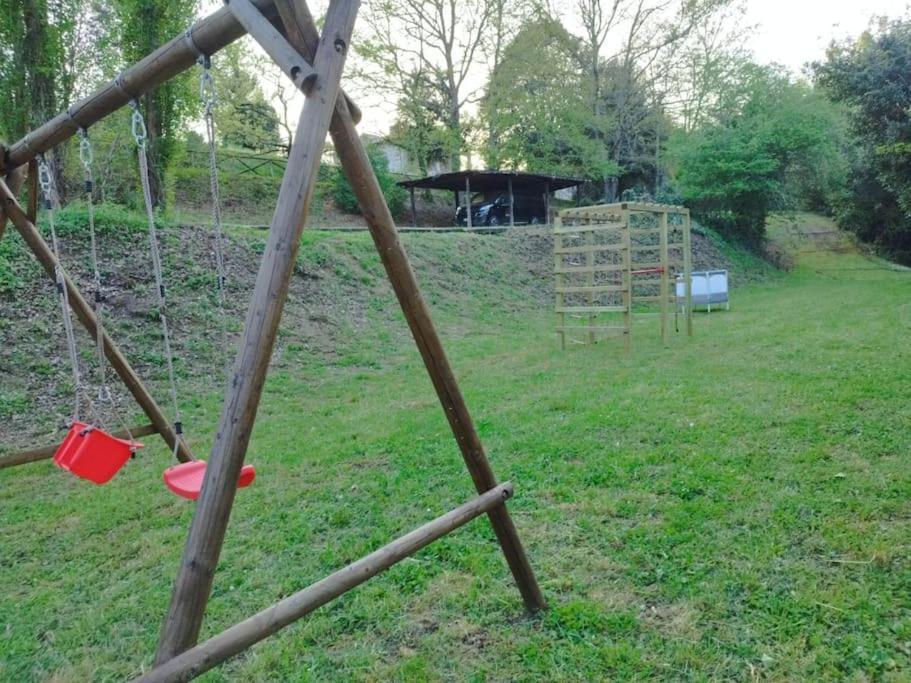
(86, 154)
(138, 125)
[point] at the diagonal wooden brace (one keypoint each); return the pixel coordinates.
(239, 637)
(86, 316)
(210, 521)
(301, 31)
(274, 43)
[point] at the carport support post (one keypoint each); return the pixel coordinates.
(547, 203)
(467, 202)
(512, 206)
(414, 213)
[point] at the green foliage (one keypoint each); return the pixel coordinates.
(35, 37)
(777, 147)
(343, 195)
(420, 126)
(111, 220)
(870, 76)
(758, 532)
(535, 109)
(143, 26)
(243, 116)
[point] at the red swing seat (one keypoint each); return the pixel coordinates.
(186, 478)
(93, 454)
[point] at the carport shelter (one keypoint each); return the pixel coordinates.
(510, 182)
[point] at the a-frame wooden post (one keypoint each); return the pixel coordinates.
(302, 33)
(207, 531)
(86, 316)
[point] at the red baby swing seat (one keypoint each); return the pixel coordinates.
(93, 454)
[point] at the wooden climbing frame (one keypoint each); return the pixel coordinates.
(613, 262)
(287, 32)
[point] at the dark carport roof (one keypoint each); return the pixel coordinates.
(482, 181)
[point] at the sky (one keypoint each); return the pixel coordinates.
(788, 32)
(794, 32)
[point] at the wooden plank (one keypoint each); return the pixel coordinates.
(273, 43)
(591, 309)
(241, 636)
(651, 207)
(610, 268)
(590, 289)
(47, 452)
(591, 227)
(213, 509)
(86, 316)
(688, 274)
(665, 267)
(586, 248)
(559, 278)
(362, 179)
(592, 328)
(210, 35)
(14, 181)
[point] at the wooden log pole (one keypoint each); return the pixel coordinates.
(688, 272)
(467, 202)
(47, 452)
(14, 181)
(355, 163)
(512, 204)
(665, 274)
(209, 35)
(210, 522)
(414, 211)
(86, 316)
(239, 637)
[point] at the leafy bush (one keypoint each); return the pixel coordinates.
(110, 219)
(780, 148)
(870, 77)
(343, 195)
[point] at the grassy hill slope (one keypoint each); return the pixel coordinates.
(733, 507)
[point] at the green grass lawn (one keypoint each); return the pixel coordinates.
(734, 507)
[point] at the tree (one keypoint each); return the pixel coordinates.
(535, 109)
(626, 50)
(773, 151)
(870, 77)
(144, 25)
(34, 75)
(419, 48)
(243, 116)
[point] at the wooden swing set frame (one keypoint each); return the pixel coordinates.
(289, 35)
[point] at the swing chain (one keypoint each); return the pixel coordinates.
(140, 135)
(209, 97)
(44, 180)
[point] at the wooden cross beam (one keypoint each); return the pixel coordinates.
(208, 35)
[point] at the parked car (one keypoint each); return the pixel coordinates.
(493, 209)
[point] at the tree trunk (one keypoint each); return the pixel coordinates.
(40, 78)
(153, 145)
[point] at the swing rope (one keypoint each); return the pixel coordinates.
(140, 134)
(87, 158)
(45, 180)
(209, 98)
